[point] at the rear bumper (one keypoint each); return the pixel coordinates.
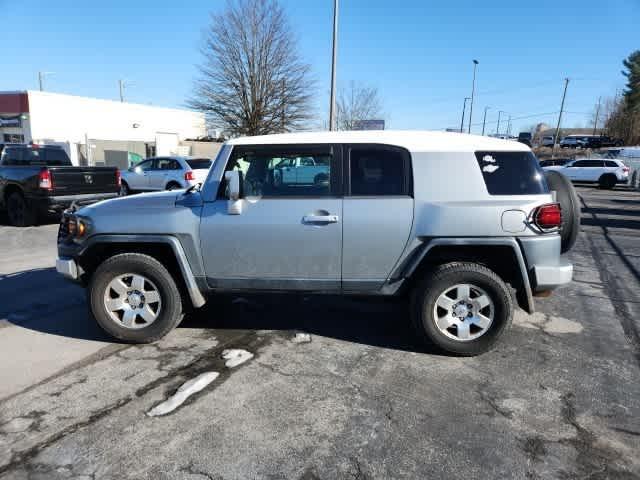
(547, 268)
(61, 202)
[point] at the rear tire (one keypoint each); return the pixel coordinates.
(162, 296)
(569, 203)
(174, 186)
(19, 212)
(607, 181)
(428, 315)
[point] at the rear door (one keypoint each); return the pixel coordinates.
(288, 236)
(165, 170)
(378, 214)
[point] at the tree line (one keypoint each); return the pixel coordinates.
(622, 113)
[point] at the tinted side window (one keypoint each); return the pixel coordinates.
(146, 165)
(609, 163)
(280, 172)
(512, 173)
(12, 156)
(593, 163)
(579, 163)
(56, 157)
(168, 164)
(378, 171)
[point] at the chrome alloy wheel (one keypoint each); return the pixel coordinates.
(463, 312)
(132, 301)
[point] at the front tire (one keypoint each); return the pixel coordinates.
(463, 308)
(134, 298)
(607, 181)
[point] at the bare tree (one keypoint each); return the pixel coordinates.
(356, 103)
(252, 80)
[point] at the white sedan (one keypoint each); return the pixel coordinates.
(165, 173)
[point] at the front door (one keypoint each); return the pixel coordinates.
(138, 177)
(289, 234)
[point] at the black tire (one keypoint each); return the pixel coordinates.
(20, 213)
(320, 179)
(124, 189)
(171, 311)
(426, 293)
(174, 186)
(607, 181)
(569, 203)
(635, 180)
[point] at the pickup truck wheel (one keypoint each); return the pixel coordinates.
(607, 181)
(20, 214)
(569, 203)
(134, 298)
(463, 308)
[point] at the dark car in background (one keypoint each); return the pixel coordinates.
(39, 179)
(556, 162)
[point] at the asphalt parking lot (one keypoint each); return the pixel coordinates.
(559, 397)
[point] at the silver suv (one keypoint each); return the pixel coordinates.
(463, 227)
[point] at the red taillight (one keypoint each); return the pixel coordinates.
(625, 169)
(188, 176)
(44, 179)
(118, 178)
(548, 216)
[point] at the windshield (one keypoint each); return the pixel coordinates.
(199, 163)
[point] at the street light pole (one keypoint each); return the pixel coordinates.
(332, 104)
(41, 76)
(464, 107)
(121, 85)
(484, 120)
(473, 92)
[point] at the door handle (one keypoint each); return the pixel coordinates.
(320, 219)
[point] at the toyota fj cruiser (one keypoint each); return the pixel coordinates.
(462, 226)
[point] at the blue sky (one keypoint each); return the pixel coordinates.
(418, 53)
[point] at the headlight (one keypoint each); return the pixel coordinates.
(75, 228)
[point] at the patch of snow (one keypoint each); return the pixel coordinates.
(548, 323)
(488, 159)
(490, 168)
(301, 338)
(235, 357)
(185, 391)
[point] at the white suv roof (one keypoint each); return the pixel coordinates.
(412, 140)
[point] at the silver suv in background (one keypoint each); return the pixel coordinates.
(388, 219)
(607, 173)
(165, 173)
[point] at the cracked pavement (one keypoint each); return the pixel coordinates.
(558, 398)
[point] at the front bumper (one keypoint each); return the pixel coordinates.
(68, 268)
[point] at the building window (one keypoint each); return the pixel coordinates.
(13, 138)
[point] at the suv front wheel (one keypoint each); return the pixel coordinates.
(134, 298)
(463, 308)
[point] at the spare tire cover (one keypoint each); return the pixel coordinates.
(567, 197)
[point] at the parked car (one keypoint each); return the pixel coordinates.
(38, 179)
(556, 162)
(602, 141)
(165, 173)
(390, 221)
(525, 137)
(573, 141)
(547, 141)
(606, 173)
(301, 171)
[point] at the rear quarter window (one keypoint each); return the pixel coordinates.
(512, 173)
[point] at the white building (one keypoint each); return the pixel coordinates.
(89, 127)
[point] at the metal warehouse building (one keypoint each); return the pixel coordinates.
(95, 131)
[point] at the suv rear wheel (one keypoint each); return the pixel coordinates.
(607, 181)
(134, 298)
(463, 308)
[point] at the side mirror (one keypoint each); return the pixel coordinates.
(233, 179)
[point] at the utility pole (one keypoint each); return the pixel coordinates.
(41, 76)
(121, 85)
(332, 105)
(595, 122)
(464, 107)
(509, 127)
(500, 112)
(484, 120)
(473, 92)
(555, 140)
